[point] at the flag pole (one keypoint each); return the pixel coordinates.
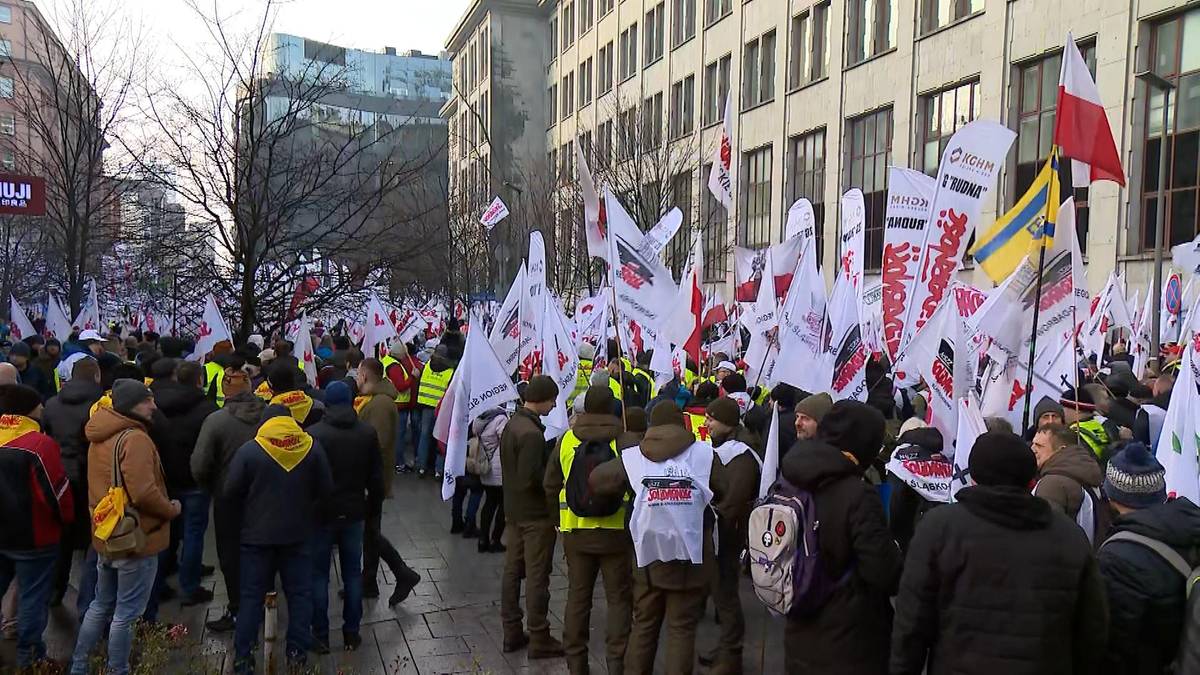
(1037, 306)
(620, 371)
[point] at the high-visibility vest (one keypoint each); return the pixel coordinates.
(567, 520)
(649, 378)
(582, 379)
(689, 376)
(387, 361)
(1093, 433)
(214, 372)
(614, 384)
(433, 386)
(698, 425)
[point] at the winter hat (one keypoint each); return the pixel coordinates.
(1078, 400)
(1046, 405)
(599, 378)
(912, 423)
(1134, 478)
(724, 410)
(127, 393)
(18, 399)
(1002, 459)
(635, 420)
(256, 340)
(598, 400)
(20, 349)
(734, 383)
(338, 393)
(853, 427)
(815, 406)
(266, 356)
(666, 413)
(398, 350)
(587, 351)
(541, 389)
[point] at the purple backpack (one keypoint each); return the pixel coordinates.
(785, 560)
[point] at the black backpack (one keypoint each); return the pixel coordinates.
(637, 390)
(580, 498)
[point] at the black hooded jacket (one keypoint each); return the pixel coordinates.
(850, 633)
(63, 418)
(184, 408)
(998, 583)
(1145, 593)
(352, 448)
(906, 506)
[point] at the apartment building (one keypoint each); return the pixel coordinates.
(825, 95)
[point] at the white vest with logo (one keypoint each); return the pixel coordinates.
(668, 506)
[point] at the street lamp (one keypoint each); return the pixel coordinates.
(1156, 81)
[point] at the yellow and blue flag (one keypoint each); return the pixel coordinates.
(1027, 224)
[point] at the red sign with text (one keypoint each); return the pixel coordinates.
(22, 195)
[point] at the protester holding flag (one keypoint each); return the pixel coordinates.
(919, 475)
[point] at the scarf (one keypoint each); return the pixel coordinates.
(15, 426)
(297, 402)
(284, 441)
(729, 450)
(360, 401)
(104, 401)
(264, 392)
(929, 476)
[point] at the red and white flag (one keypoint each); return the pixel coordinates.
(494, 213)
(212, 329)
(748, 266)
(714, 309)
(594, 220)
(720, 179)
(304, 349)
(57, 323)
(1081, 128)
(560, 361)
(684, 324)
(89, 314)
(379, 328)
(905, 221)
(506, 337)
(19, 326)
(644, 287)
(853, 238)
(803, 330)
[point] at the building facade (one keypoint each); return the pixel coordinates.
(825, 95)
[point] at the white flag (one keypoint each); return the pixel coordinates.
(846, 349)
(658, 236)
(760, 317)
(1179, 445)
(594, 226)
(89, 313)
(379, 328)
(645, 289)
(802, 328)
(506, 338)
(19, 326)
(560, 362)
(479, 384)
(970, 427)
(720, 179)
(212, 329)
(533, 308)
(853, 237)
(770, 465)
(1111, 312)
(57, 324)
(494, 213)
(304, 349)
(1187, 256)
(801, 222)
(905, 223)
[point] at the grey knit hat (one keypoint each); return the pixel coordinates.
(1134, 478)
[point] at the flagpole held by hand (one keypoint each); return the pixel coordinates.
(1037, 305)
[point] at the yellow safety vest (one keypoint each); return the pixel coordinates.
(387, 361)
(214, 371)
(582, 379)
(649, 378)
(433, 386)
(615, 385)
(1094, 435)
(567, 520)
(698, 425)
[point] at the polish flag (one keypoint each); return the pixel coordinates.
(683, 325)
(594, 219)
(1081, 129)
(714, 309)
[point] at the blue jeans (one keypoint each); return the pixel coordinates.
(33, 571)
(407, 430)
(348, 537)
(425, 440)
(195, 522)
(259, 565)
(122, 589)
(87, 583)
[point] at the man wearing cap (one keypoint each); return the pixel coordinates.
(738, 450)
(809, 413)
(593, 545)
(38, 505)
(524, 453)
(1079, 412)
(674, 478)
(1153, 543)
(124, 585)
(94, 342)
(724, 369)
(999, 582)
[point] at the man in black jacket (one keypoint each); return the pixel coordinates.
(849, 634)
(999, 582)
(920, 478)
(352, 447)
(63, 420)
(1146, 594)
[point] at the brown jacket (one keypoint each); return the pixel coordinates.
(1062, 478)
(662, 443)
(742, 475)
(380, 412)
(142, 472)
(588, 427)
(524, 452)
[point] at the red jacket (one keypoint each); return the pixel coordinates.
(406, 375)
(35, 497)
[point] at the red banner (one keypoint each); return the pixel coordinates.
(22, 195)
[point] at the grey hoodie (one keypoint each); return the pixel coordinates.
(222, 433)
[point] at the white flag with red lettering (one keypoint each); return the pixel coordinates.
(212, 329)
(644, 287)
(507, 338)
(560, 362)
(89, 314)
(905, 223)
(19, 326)
(594, 226)
(57, 324)
(304, 350)
(720, 178)
(803, 329)
(379, 327)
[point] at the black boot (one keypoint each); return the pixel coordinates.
(470, 531)
(405, 582)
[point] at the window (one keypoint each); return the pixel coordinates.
(655, 26)
(585, 83)
(1037, 96)
(586, 147)
(758, 81)
(552, 102)
(5, 48)
(652, 117)
(626, 134)
(714, 220)
(484, 109)
(313, 50)
(604, 141)
(683, 21)
(5, 14)
(566, 172)
(938, 13)
(868, 154)
(807, 175)
(942, 113)
(809, 60)
(1176, 56)
(568, 95)
(629, 51)
(10, 160)
(683, 107)
(552, 163)
(604, 75)
(8, 124)
(715, 10)
(585, 16)
(568, 25)
(756, 198)
(553, 36)
(606, 6)
(871, 29)
(680, 245)
(716, 89)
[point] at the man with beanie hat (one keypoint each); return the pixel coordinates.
(287, 388)
(739, 452)
(809, 413)
(524, 454)
(674, 478)
(1153, 542)
(37, 505)
(123, 585)
(849, 633)
(593, 544)
(1069, 479)
(1047, 411)
(277, 480)
(1079, 412)
(999, 582)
